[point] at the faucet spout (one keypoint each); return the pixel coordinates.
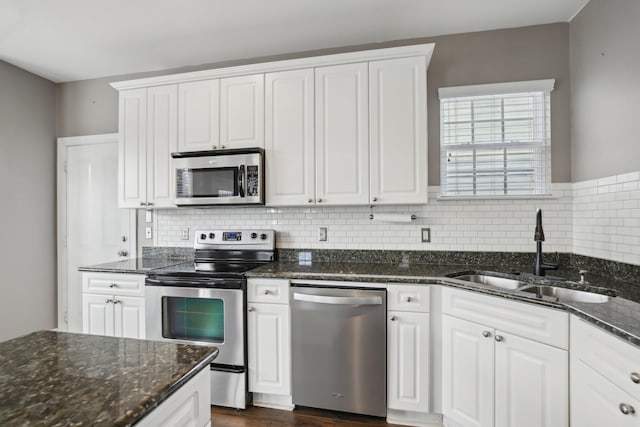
(540, 267)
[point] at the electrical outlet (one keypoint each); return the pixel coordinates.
(147, 233)
(185, 233)
(426, 235)
(322, 234)
(148, 217)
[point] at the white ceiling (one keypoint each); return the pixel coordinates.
(67, 40)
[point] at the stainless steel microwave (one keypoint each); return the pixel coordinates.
(220, 177)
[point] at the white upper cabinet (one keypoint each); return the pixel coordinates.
(162, 134)
(289, 138)
(342, 135)
(198, 115)
(242, 111)
(398, 114)
(132, 158)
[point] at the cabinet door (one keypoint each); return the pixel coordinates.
(467, 372)
(242, 111)
(162, 132)
(269, 336)
(129, 321)
(596, 402)
(408, 349)
(289, 138)
(342, 135)
(532, 386)
(97, 314)
(199, 115)
(132, 158)
(398, 111)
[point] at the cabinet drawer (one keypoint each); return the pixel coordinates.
(530, 321)
(268, 290)
(608, 355)
(113, 284)
(408, 297)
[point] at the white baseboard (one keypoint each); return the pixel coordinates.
(417, 419)
(273, 401)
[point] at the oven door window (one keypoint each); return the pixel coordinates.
(193, 319)
(208, 182)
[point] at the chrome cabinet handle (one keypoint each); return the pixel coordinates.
(635, 377)
(113, 285)
(123, 253)
(310, 201)
(143, 204)
(251, 309)
(486, 334)
(375, 199)
(117, 301)
(215, 147)
(108, 300)
(499, 338)
(319, 200)
(223, 146)
(393, 318)
(149, 203)
(267, 292)
(627, 409)
(408, 299)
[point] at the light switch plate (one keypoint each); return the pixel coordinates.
(147, 233)
(426, 235)
(322, 234)
(148, 217)
(185, 233)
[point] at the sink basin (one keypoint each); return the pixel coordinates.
(498, 282)
(567, 295)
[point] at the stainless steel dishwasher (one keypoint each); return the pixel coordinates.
(339, 349)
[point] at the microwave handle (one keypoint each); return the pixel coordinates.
(241, 180)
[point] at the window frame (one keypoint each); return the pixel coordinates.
(501, 91)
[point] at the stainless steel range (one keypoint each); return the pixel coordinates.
(203, 302)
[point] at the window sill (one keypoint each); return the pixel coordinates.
(531, 197)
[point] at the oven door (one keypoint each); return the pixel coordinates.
(218, 180)
(206, 316)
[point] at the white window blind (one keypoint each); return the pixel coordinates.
(495, 139)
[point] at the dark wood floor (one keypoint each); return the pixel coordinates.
(307, 417)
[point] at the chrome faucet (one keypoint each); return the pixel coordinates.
(540, 267)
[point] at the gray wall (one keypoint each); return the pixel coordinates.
(605, 61)
(528, 53)
(28, 213)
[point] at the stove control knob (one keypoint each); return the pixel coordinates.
(203, 236)
(254, 235)
(212, 236)
(263, 236)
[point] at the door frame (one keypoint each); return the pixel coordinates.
(62, 145)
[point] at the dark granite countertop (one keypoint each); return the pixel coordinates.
(132, 265)
(62, 379)
(620, 315)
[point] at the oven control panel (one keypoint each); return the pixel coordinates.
(232, 238)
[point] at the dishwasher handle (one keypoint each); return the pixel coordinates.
(323, 299)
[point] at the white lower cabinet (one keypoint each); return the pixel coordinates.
(269, 342)
(605, 378)
(492, 377)
(108, 307)
(189, 406)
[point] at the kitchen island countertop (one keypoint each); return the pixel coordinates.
(61, 379)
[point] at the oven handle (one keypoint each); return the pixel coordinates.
(241, 180)
(164, 281)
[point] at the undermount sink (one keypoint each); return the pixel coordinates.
(498, 282)
(567, 295)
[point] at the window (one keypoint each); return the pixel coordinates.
(495, 139)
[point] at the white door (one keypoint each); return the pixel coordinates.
(133, 148)
(342, 135)
(242, 111)
(467, 372)
(162, 136)
(596, 402)
(199, 115)
(289, 138)
(408, 345)
(268, 341)
(129, 320)
(97, 313)
(532, 383)
(94, 229)
(398, 111)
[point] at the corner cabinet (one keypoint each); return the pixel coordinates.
(269, 342)
(504, 363)
(148, 135)
(113, 304)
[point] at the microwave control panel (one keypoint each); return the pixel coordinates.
(253, 180)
